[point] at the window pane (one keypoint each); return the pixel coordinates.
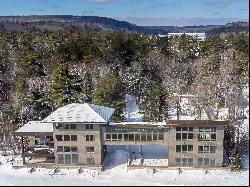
(59, 148)
(212, 149)
(143, 137)
(206, 149)
(72, 126)
(59, 126)
(178, 128)
(59, 137)
(200, 161)
(190, 129)
(178, 136)
(200, 137)
(206, 137)
(206, 161)
(160, 136)
(75, 158)
(66, 148)
(90, 149)
(131, 137)
(149, 137)
(66, 138)
(73, 149)
(213, 137)
(60, 158)
(201, 129)
(184, 161)
(91, 161)
(89, 126)
(125, 136)
(66, 126)
(207, 129)
(67, 158)
(108, 136)
(178, 148)
(73, 137)
(184, 148)
(213, 129)
(154, 136)
(178, 161)
(184, 136)
(212, 162)
(114, 136)
(200, 149)
(92, 138)
(190, 136)
(184, 128)
(190, 148)
(137, 137)
(190, 161)
(120, 137)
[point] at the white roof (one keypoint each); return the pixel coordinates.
(36, 126)
(83, 113)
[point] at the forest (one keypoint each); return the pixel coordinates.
(43, 70)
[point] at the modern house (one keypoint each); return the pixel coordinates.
(82, 134)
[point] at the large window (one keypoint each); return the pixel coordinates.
(89, 126)
(90, 161)
(206, 149)
(207, 134)
(90, 138)
(184, 148)
(66, 149)
(136, 134)
(66, 137)
(184, 161)
(67, 158)
(206, 162)
(66, 126)
(90, 149)
(184, 133)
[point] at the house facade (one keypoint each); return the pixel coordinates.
(82, 134)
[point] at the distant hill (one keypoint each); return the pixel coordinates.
(210, 30)
(95, 24)
(68, 22)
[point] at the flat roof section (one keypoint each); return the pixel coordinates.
(198, 122)
(139, 124)
(34, 128)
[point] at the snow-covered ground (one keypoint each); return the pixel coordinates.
(117, 174)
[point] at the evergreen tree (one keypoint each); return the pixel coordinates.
(155, 104)
(65, 88)
(40, 106)
(109, 92)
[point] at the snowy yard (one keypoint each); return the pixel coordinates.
(118, 175)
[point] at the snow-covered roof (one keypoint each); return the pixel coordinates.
(36, 127)
(78, 112)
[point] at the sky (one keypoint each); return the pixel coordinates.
(140, 12)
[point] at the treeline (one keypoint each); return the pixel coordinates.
(41, 71)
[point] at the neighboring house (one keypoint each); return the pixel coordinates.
(82, 134)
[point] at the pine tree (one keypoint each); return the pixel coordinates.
(65, 88)
(109, 91)
(155, 104)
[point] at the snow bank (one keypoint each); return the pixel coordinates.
(118, 175)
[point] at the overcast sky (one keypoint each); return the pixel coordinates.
(140, 12)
